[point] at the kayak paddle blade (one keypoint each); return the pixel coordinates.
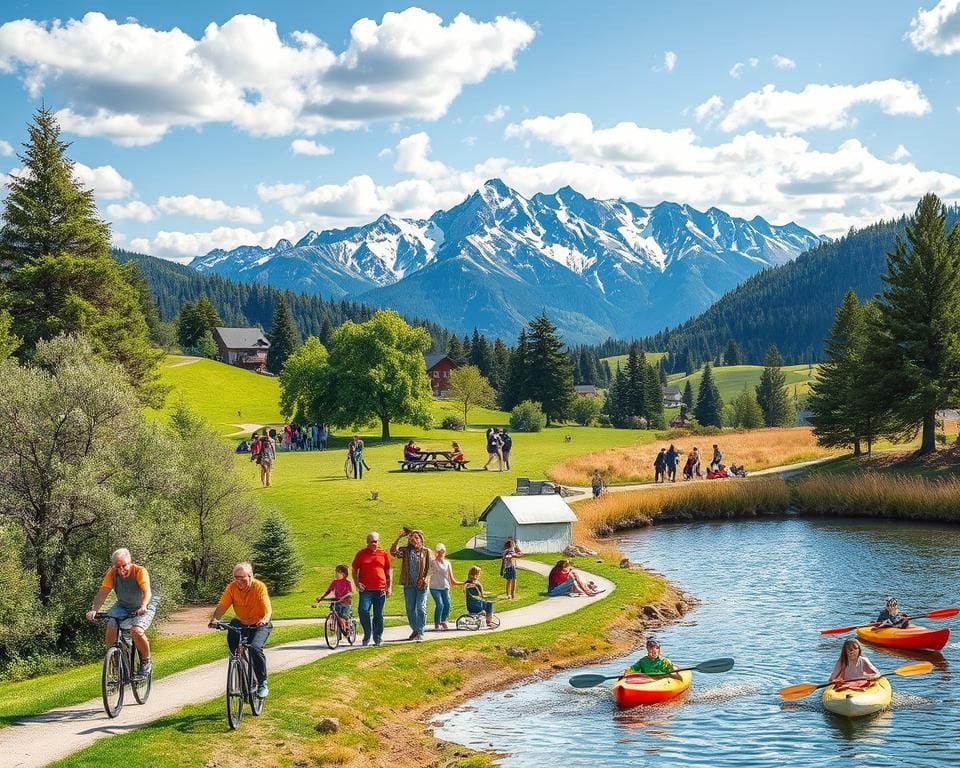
(943, 613)
(837, 631)
(715, 665)
(794, 692)
(588, 681)
(909, 670)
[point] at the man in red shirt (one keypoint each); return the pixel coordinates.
(373, 577)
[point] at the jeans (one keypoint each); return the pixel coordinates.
(372, 599)
(357, 467)
(256, 638)
(441, 605)
(506, 458)
(561, 589)
(416, 604)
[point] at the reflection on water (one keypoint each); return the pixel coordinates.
(767, 588)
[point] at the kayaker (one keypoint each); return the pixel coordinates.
(853, 669)
(891, 616)
(653, 663)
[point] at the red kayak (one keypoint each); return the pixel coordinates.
(911, 638)
(633, 690)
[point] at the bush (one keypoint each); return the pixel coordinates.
(276, 561)
(586, 410)
(527, 417)
(453, 422)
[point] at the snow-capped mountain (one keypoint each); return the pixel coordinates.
(598, 267)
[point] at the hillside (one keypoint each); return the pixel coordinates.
(731, 379)
(652, 357)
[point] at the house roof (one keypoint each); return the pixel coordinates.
(671, 391)
(242, 338)
(527, 510)
(432, 360)
(585, 389)
(951, 414)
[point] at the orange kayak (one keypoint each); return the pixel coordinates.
(634, 690)
(913, 638)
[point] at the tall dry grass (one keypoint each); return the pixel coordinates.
(701, 501)
(755, 449)
(871, 494)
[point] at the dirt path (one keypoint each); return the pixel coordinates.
(38, 741)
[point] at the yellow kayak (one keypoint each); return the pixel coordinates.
(858, 702)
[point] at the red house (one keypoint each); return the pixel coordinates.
(438, 371)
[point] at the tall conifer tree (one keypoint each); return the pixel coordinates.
(709, 405)
(550, 371)
(283, 338)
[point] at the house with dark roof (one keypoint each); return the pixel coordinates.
(672, 396)
(244, 347)
(438, 371)
(585, 390)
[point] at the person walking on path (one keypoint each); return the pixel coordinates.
(440, 577)
(414, 566)
(717, 458)
(355, 453)
(660, 466)
(673, 458)
(251, 615)
(493, 449)
(135, 607)
(596, 483)
(508, 566)
(373, 578)
(696, 463)
(506, 444)
(267, 456)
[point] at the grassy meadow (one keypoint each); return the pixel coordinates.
(731, 379)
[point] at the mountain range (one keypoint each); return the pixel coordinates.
(597, 267)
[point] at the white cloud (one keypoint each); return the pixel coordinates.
(132, 83)
(938, 29)
(497, 113)
(132, 211)
(669, 60)
(782, 62)
(708, 109)
(753, 61)
(737, 69)
(413, 158)
(310, 148)
(823, 106)
(105, 181)
(900, 153)
(184, 246)
(6, 148)
(469, 140)
(208, 208)
(272, 192)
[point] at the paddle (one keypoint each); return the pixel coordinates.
(793, 692)
(941, 613)
(712, 666)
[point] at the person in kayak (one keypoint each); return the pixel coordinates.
(853, 669)
(891, 616)
(653, 663)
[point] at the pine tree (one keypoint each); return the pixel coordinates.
(326, 331)
(709, 405)
(276, 561)
(733, 355)
(661, 373)
(916, 347)
(746, 410)
(635, 391)
(550, 376)
(772, 390)
(514, 390)
(455, 350)
(652, 398)
(689, 364)
(283, 338)
(501, 364)
(688, 398)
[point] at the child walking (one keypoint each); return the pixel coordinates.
(508, 566)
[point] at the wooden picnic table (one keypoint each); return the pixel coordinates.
(431, 459)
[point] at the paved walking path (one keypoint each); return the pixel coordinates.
(39, 740)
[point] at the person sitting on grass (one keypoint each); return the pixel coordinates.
(563, 580)
(653, 663)
(853, 669)
(342, 590)
(475, 595)
(411, 452)
(891, 616)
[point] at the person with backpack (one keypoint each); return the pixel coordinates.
(266, 457)
(506, 443)
(660, 466)
(673, 458)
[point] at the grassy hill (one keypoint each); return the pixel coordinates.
(652, 357)
(732, 378)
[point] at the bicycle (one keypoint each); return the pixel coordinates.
(333, 631)
(119, 662)
(473, 621)
(241, 682)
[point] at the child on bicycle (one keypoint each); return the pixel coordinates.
(342, 590)
(474, 592)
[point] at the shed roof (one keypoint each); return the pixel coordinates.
(432, 360)
(670, 391)
(528, 510)
(585, 389)
(242, 338)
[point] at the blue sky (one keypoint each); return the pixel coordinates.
(213, 124)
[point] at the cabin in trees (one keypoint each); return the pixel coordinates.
(244, 347)
(586, 390)
(438, 371)
(672, 396)
(535, 523)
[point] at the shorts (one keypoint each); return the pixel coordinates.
(129, 619)
(343, 610)
(510, 573)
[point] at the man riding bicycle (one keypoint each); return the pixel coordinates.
(251, 608)
(135, 607)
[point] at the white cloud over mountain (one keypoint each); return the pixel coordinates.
(208, 208)
(183, 246)
(937, 30)
(132, 83)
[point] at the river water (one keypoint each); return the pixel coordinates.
(767, 587)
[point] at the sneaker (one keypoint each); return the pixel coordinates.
(419, 637)
(378, 642)
(146, 668)
(413, 636)
(366, 642)
(263, 690)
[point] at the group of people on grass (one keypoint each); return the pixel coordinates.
(308, 437)
(499, 445)
(413, 453)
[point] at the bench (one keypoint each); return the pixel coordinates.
(527, 487)
(419, 465)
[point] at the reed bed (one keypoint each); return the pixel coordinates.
(712, 500)
(755, 449)
(871, 494)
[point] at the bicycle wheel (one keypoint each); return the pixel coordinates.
(348, 469)
(494, 621)
(467, 621)
(331, 631)
(256, 702)
(112, 681)
(351, 631)
(140, 685)
(234, 693)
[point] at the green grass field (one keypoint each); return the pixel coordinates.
(731, 379)
(652, 358)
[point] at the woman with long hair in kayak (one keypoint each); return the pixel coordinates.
(891, 616)
(853, 669)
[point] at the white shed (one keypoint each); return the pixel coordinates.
(536, 523)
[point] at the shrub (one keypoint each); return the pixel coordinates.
(586, 410)
(527, 417)
(276, 561)
(453, 422)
